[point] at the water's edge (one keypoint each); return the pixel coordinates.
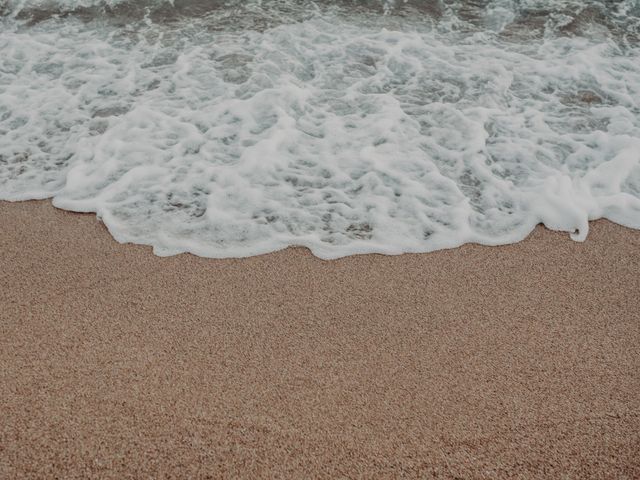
(232, 129)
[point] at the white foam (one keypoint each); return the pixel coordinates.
(345, 134)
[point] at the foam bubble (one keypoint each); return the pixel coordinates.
(336, 128)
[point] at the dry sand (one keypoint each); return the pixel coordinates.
(515, 361)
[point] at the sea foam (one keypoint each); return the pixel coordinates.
(230, 129)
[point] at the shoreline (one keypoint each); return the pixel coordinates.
(484, 362)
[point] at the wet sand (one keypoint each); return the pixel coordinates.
(478, 362)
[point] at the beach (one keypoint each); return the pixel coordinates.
(337, 239)
(518, 361)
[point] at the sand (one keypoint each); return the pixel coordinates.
(479, 362)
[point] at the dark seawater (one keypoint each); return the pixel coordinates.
(233, 128)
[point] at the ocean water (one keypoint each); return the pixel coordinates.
(230, 128)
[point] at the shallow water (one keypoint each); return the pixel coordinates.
(233, 128)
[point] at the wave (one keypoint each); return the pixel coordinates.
(230, 129)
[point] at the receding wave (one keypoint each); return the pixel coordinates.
(233, 128)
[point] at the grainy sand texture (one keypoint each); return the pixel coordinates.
(520, 361)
